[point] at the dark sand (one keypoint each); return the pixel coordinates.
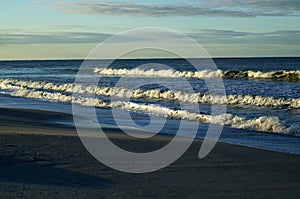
(43, 160)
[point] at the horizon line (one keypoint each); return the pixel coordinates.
(143, 58)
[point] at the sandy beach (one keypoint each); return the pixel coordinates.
(41, 159)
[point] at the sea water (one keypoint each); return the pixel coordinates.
(262, 95)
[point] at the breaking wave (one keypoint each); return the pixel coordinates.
(230, 74)
(263, 124)
(156, 94)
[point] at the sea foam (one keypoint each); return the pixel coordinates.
(229, 74)
(263, 123)
(170, 95)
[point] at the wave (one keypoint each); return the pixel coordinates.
(157, 94)
(229, 74)
(263, 123)
(159, 73)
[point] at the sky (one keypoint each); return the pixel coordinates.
(70, 29)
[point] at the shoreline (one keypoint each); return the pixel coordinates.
(40, 161)
(53, 119)
(64, 120)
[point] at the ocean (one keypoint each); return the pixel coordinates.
(262, 95)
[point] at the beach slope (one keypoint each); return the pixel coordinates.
(42, 158)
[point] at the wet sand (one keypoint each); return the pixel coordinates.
(40, 158)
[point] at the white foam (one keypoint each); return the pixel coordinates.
(158, 73)
(250, 74)
(264, 124)
(274, 74)
(170, 95)
(157, 94)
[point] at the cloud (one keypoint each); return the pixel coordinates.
(260, 7)
(226, 8)
(283, 37)
(51, 38)
(70, 27)
(9, 30)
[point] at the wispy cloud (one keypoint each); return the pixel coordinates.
(51, 38)
(283, 37)
(227, 8)
(70, 27)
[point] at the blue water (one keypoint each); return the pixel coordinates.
(65, 71)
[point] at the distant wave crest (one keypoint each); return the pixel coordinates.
(230, 74)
